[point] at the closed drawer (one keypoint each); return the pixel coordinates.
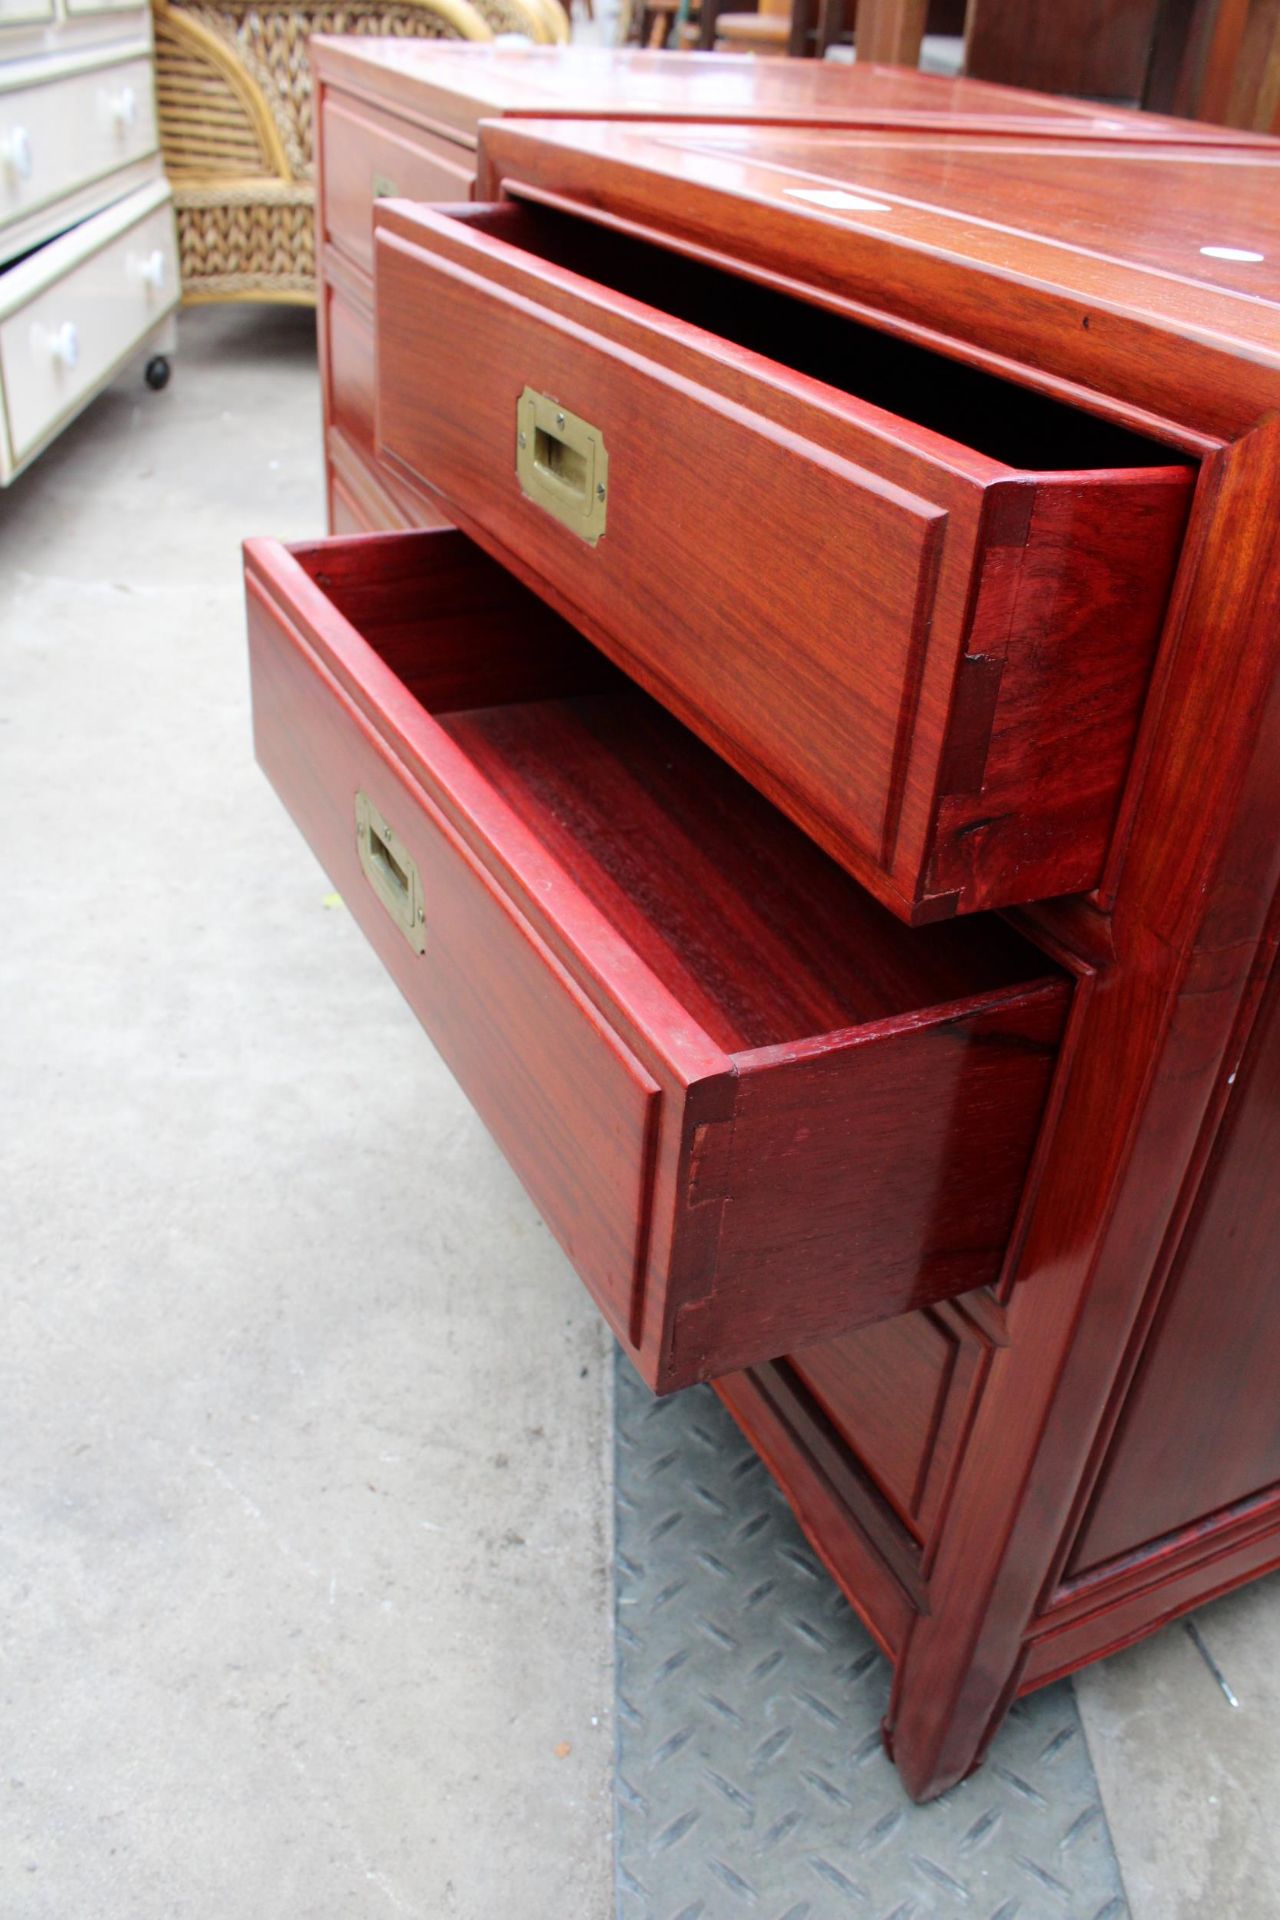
(349, 353)
(370, 156)
(914, 604)
(60, 344)
(18, 13)
(754, 1108)
(363, 499)
(66, 133)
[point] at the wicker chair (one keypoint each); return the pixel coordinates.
(233, 89)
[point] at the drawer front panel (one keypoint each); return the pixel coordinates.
(67, 133)
(370, 156)
(569, 1106)
(728, 541)
(363, 499)
(346, 515)
(58, 347)
(616, 938)
(350, 371)
(19, 13)
(886, 1170)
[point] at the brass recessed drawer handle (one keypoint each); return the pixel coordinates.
(391, 872)
(561, 464)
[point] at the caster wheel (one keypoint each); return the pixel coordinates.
(157, 374)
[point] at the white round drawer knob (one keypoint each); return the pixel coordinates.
(15, 148)
(64, 344)
(124, 107)
(149, 268)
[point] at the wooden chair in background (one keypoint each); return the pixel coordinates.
(886, 31)
(768, 30)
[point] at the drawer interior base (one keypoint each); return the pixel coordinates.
(756, 931)
(753, 928)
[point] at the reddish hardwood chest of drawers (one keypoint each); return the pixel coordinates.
(401, 118)
(822, 800)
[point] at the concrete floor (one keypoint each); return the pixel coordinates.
(304, 1566)
(1184, 1731)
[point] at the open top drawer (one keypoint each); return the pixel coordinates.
(755, 1109)
(914, 604)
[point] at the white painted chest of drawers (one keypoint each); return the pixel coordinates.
(88, 267)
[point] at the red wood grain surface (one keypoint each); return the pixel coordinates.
(371, 155)
(945, 693)
(541, 1066)
(1192, 936)
(449, 89)
(376, 500)
(1200, 1429)
(917, 1123)
(349, 333)
(898, 1393)
(405, 115)
(1102, 291)
(1091, 256)
(995, 1515)
(676, 1016)
(1097, 48)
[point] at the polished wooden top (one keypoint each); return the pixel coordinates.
(1149, 272)
(457, 84)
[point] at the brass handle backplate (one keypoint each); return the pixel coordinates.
(391, 872)
(561, 464)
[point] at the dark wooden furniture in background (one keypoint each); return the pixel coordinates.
(1096, 48)
(396, 117)
(1217, 60)
(745, 1095)
(1212, 60)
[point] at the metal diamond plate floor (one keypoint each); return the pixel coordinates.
(751, 1780)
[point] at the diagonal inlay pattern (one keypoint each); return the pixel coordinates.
(751, 1779)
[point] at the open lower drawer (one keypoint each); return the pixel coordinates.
(753, 1107)
(914, 604)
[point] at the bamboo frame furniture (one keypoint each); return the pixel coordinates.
(233, 87)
